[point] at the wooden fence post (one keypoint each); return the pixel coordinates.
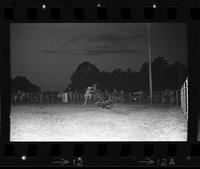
(75, 98)
(140, 98)
(177, 100)
(129, 97)
(79, 97)
(47, 98)
(52, 97)
(170, 97)
(41, 98)
(31, 97)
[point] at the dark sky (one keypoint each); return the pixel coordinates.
(47, 54)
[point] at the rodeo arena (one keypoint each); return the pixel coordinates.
(100, 115)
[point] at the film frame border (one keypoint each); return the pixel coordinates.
(38, 153)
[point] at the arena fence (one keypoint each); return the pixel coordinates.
(169, 97)
(184, 98)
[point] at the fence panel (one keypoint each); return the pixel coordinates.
(171, 97)
(184, 98)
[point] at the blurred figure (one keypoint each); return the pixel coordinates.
(88, 93)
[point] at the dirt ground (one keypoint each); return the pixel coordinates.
(123, 122)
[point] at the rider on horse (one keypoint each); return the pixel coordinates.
(88, 93)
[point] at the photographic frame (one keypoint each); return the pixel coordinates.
(98, 153)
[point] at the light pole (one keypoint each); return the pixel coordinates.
(149, 55)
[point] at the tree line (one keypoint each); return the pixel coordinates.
(21, 83)
(164, 76)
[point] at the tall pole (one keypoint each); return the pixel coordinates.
(149, 55)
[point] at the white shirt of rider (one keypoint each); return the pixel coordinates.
(88, 91)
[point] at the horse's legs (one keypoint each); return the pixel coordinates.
(86, 99)
(90, 97)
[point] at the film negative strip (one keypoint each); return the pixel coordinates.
(100, 83)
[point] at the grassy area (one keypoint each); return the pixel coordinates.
(90, 123)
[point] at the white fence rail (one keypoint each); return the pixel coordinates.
(184, 98)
